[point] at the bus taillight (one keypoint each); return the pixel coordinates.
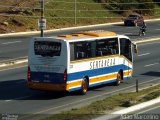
(65, 75)
(29, 74)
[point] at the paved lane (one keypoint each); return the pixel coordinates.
(16, 98)
(14, 47)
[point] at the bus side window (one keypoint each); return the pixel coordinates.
(80, 55)
(107, 47)
(72, 56)
(79, 50)
(125, 48)
(99, 53)
(93, 48)
(82, 50)
(100, 48)
(113, 46)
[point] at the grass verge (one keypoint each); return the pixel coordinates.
(23, 15)
(100, 107)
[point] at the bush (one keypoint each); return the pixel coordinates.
(121, 6)
(147, 8)
(157, 1)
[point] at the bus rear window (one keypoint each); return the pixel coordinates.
(47, 48)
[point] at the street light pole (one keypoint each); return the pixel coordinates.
(42, 16)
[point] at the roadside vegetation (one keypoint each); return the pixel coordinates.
(107, 105)
(23, 15)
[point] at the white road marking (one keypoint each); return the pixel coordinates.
(143, 54)
(128, 33)
(155, 42)
(151, 64)
(14, 68)
(8, 100)
(19, 98)
(14, 59)
(6, 43)
(129, 27)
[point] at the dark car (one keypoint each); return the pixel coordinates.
(134, 20)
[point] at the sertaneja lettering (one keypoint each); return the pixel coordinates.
(46, 47)
(102, 63)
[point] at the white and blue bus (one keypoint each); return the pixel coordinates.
(79, 61)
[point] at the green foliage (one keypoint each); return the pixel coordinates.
(121, 6)
(157, 2)
(67, 13)
(148, 7)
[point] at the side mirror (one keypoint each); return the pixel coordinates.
(135, 48)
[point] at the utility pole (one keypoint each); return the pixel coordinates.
(42, 21)
(75, 12)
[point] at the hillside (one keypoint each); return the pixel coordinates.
(14, 15)
(23, 15)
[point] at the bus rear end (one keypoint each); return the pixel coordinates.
(47, 64)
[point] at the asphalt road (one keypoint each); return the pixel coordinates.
(15, 47)
(15, 98)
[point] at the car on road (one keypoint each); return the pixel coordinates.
(133, 20)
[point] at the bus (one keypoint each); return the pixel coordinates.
(79, 61)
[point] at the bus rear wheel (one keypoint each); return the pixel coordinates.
(84, 86)
(119, 79)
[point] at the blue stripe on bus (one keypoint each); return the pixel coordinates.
(95, 72)
(57, 78)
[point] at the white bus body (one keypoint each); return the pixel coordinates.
(79, 61)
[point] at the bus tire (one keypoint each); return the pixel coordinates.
(84, 86)
(119, 79)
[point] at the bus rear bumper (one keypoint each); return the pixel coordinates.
(47, 86)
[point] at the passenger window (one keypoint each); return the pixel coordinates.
(80, 55)
(107, 47)
(95, 48)
(80, 50)
(125, 47)
(72, 56)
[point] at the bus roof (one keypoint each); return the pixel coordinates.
(87, 34)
